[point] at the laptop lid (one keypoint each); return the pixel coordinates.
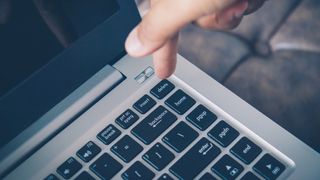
(49, 48)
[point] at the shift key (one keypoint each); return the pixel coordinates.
(195, 160)
(154, 125)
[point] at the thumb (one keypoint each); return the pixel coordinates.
(165, 19)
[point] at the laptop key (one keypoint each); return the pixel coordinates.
(84, 176)
(108, 134)
(195, 160)
(163, 88)
(88, 151)
(144, 104)
(246, 150)
(138, 171)
(165, 176)
(223, 133)
(227, 168)
(201, 117)
(126, 148)
(180, 137)
(105, 167)
(180, 102)
(249, 176)
(269, 167)
(207, 176)
(69, 168)
(153, 125)
(158, 156)
(127, 118)
(51, 177)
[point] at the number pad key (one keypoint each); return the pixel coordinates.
(88, 151)
(269, 167)
(158, 156)
(180, 102)
(105, 167)
(250, 176)
(138, 171)
(69, 168)
(246, 150)
(180, 137)
(126, 148)
(227, 168)
(223, 133)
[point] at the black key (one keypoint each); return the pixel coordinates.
(195, 160)
(162, 89)
(105, 167)
(88, 151)
(158, 156)
(138, 171)
(84, 176)
(69, 168)
(144, 104)
(227, 168)
(201, 117)
(180, 102)
(51, 177)
(250, 176)
(126, 119)
(246, 150)
(108, 134)
(207, 176)
(180, 137)
(154, 124)
(223, 133)
(126, 148)
(165, 176)
(269, 167)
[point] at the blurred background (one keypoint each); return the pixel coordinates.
(272, 61)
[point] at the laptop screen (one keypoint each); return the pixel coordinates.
(32, 35)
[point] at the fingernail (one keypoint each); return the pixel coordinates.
(133, 43)
(239, 12)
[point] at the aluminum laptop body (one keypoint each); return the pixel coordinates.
(98, 113)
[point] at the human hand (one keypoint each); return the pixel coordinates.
(157, 34)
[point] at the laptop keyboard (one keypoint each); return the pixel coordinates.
(189, 143)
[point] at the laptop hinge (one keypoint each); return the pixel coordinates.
(64, 113)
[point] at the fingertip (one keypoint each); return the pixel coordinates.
(134, 45)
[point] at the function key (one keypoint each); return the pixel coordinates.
(227, 168)
(165, 176)
(249, 176)
(158, 156)
(144, 104)
(51, 177)
(201, 117)
(246, 150)
(180, 137)
(223, 133)
(126, 119)
(195, 160)
(84, 176)
(105, 167)
(207, 176)
(138, 171)
(108, 134)
(126, 148)
(154, 124)
(88, 151)
(162, 89)
(180, 102)
(69, 168)
(269, 167)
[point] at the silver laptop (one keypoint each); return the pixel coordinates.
(86, 110)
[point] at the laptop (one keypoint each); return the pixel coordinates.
(86, 110)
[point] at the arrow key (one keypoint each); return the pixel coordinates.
(227, 168)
